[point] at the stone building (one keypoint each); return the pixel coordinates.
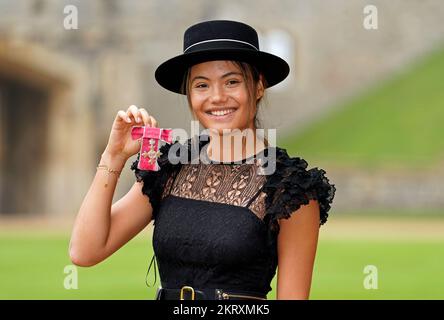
(61, 88)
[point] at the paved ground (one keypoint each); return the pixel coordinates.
(337, 227)
(384, 228)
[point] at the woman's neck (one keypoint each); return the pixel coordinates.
(235, 146)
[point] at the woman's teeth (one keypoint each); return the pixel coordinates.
(222, 112)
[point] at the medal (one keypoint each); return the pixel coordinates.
(149, 148)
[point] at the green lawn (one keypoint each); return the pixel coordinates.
(396, 123)
(32, 267)
(406, 270)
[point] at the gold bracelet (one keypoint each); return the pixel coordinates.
(105, 167)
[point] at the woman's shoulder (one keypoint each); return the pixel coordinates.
(293, 184)
(171, 157)
(154, 182)
(283, 164)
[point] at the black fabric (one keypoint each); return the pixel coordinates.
(207, 294)
(220, 29)
(207, 244)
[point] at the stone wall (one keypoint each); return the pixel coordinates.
(108, 63)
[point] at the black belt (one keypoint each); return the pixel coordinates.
(190, 293)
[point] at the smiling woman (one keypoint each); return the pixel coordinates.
(237, 81)
(221, 226)
(222, 97)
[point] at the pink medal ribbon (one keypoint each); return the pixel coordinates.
(149, 149)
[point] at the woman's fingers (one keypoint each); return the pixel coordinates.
(145, 116)
(140, 116)
(132, 112)
(123, 116)
(153, 122)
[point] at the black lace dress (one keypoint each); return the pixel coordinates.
(216, 224)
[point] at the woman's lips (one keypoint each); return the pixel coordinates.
(226, 117)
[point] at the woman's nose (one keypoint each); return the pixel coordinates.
(218, 95)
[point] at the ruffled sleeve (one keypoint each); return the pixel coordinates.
(154, 182)
(292, 185)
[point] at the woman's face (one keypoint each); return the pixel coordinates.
(219, 96)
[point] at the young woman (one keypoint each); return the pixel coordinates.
(221, 226)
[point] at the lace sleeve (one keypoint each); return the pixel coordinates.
(292, 186)
(154, 181)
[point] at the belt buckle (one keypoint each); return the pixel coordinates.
(185, 288)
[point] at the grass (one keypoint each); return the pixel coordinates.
(396, 123)
(406, 270)
(32, 267)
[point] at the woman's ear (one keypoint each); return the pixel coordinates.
(260, 88)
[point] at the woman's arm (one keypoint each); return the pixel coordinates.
(297, 243)
(101, 228)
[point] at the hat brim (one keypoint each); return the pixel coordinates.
(171, 73)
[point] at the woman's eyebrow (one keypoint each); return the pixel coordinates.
(231, 73)
(199, 77)
(224, 76)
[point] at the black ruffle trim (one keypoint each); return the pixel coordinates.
(288, 188)
(154, 182)
(291, 186)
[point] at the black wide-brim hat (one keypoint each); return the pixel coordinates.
(220, 40)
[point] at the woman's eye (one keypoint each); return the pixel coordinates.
(232, 82)
(201, 85)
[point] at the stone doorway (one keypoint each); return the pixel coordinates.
(45, 155)
(23, 131)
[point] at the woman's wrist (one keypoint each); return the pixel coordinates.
(114, 162)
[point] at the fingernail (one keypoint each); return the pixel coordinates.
(138, 119)
(128, 120)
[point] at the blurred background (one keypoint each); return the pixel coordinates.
(364, 101)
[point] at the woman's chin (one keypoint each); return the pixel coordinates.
(220, 130)
(225, 130)
(218, 127)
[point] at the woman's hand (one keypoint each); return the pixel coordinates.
(120, 143)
